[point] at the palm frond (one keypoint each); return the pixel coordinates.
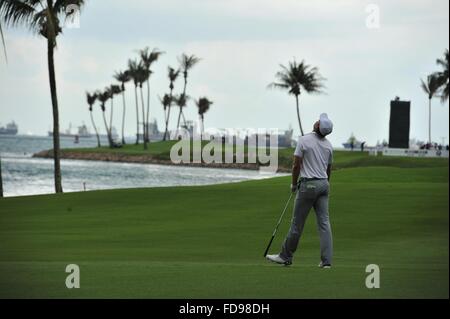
(148, 58)
(203, 105)
(173, 74)
(181, 100)
(443, 76)
(90, 99)
(424, 86)
(444, 62)
(122, 77)
(115, 89)
(431, 86)
(297, 76)
(275, 85)
(166, 101)
(187, 62)
(19, 12)
(3, 43)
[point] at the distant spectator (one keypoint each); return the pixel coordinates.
(362, 146)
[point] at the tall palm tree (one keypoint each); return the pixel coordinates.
(173, 75)
(113, 91)
(148, 58)
(133, 71)
(203, 105)
(296, 78)
(443, 77)
(103, 97)
(431, 88)
(187, 62)
(123, 77)
(181, 101)
(41, 17)
(91, 98)
(143, 75)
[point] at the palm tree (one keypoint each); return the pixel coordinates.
(431, 88)
(103, 97)
(203, 105)
(91, 98)
(123, 77)
(133, 70)
(42, 18)
(113, 90)
(143, 75)
(148, 58)
(443, 77)
(298, 77)
(173, 75)
(187, 62)
(181, 101)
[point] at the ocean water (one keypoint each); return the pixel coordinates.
(25, 175)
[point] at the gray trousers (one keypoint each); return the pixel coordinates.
(310, 194)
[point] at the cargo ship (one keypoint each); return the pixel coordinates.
(83, 132)
(10, 129)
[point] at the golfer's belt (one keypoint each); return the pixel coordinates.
(304, 179)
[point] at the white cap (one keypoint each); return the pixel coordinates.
(325, 125)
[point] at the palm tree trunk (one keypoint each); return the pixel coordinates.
(166, 132)
(185, 85)
(298, 115)
(167, 123)
(1, 179)
(111, 115)
(56, 146)
(3, 43)
(178, 122)
(95, 129)
(184, 119)
(148, 112)
(184, 94)
(108, 133)
(429, 121)
(203, 127)
(123, 117)
(137, 114)
(143, 118)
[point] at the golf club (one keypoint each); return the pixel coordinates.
(278, 224)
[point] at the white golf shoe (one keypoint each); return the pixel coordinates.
(277, 259)
(324, 266)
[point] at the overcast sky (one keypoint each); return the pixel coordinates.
(241, 44)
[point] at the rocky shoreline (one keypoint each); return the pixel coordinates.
(142, 159)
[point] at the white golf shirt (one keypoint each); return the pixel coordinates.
(317, 154)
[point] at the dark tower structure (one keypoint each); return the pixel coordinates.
(399, 124)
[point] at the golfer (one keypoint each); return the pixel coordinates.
(312, 161)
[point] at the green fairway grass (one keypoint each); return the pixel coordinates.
(208, 241)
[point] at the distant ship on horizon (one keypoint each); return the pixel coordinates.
(82, 132)
(10, 129)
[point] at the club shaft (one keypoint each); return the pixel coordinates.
(278, 225)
